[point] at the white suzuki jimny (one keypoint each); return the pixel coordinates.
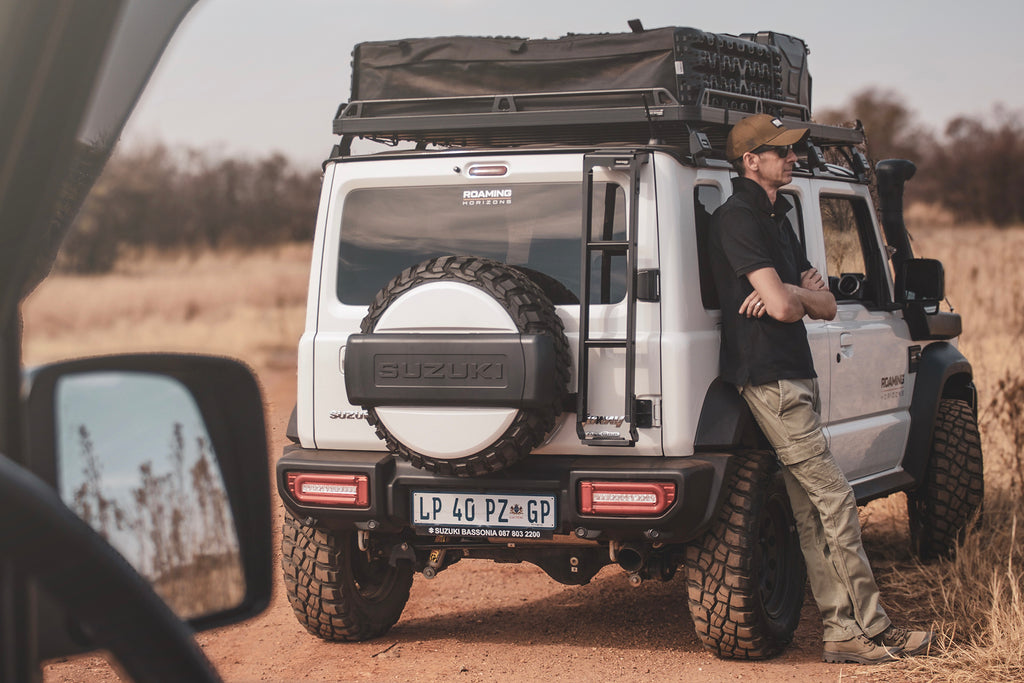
(512, 335)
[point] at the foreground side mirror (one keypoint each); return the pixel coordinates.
(165, 457)
(921, 281)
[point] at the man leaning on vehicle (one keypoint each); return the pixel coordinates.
(766, 287)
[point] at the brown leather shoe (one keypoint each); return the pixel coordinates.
(908, 643)
(858, 650)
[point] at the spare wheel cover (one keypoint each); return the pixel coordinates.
(445, 307)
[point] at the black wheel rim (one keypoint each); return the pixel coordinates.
(373, 578)
(774, 557)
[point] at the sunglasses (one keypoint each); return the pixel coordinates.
(781, 152)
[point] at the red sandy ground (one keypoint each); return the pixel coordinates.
(481, 621)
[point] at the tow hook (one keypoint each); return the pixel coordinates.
(635, 579)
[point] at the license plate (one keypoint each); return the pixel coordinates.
(502, 515)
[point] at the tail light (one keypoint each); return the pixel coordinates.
(626, 497)
(342, 490)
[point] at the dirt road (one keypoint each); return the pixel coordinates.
(481, 621)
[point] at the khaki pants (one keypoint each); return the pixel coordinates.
(824, 508)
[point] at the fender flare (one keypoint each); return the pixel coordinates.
(726, 421)
(943, 372)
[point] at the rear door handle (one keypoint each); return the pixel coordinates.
(845, 346)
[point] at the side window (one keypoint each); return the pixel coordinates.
(855, 268)
(796, 218)
(706, 198)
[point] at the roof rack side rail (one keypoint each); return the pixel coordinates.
(760, 105)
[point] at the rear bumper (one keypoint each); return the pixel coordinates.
(698, 479)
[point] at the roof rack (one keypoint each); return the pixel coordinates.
(631, 115)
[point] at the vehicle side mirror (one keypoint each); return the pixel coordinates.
(165, 457)
(921, 281)
(920, 286)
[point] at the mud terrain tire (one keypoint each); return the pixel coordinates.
(954, 483)
(337, 591)
(554, 290)
(745, 578)
(531, 311)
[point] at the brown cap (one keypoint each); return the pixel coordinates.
(757, 130)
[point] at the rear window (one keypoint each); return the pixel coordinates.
(534, 226)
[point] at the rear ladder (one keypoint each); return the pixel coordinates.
(630, 163)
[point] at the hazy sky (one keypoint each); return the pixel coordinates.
(130, 417)
(255, 76)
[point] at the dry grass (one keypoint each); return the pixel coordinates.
(984, 280)
(252, 306)
(974, 602)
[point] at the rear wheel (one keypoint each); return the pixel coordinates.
(745, 577)
(954, 483)
(337, 591)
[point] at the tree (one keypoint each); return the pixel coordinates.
(975, 168)
(890, 126)
(153, 197)
(979, 168)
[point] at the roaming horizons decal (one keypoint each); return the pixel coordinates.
(892, 385)
(489, 197)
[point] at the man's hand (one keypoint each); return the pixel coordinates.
(771, 297)
(818, 304)
(785, 302)
(811, 279)
(753, 306)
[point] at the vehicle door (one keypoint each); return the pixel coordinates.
(528, 217)
(798, 194)
(709, 194)
(867, 420)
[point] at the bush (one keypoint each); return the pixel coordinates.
(151, 197)
(978, 170)
(974, 169)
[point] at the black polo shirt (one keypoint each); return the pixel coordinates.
(749, 233)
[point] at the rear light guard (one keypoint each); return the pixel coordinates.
(336, 490)
(633, 498)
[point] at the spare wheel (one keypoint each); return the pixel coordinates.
(462, 365)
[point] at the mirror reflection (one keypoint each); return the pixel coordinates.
(135, 461)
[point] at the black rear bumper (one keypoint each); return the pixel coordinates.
(698, 478)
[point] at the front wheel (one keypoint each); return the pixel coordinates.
(337, 591)
(745, 578)
(954, 483)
